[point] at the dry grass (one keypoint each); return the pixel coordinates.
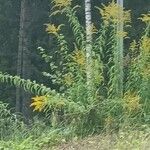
(135, 140)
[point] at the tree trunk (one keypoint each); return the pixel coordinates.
(19, 59)
(88, 22)
(23, 63)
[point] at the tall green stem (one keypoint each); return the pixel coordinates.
(119, 84)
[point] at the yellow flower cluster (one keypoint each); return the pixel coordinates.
(111, 13)
(62, 3)
(68, 79)
(79, 58)
(145, 18)
(131, 102)
(122, 34)
(38, 103)
(52, 29)
(145, 45)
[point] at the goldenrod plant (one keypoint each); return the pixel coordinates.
(139, 79)
(111, 100)
(111, 44)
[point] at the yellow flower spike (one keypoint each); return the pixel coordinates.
(52, 29)
(38, 103)
(62, 3)
(79, 58)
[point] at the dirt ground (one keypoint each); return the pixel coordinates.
(90, 143)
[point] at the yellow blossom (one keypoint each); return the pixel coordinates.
(79, 58)
(111, 13)
(131, 101)
(122, 34)
(145, 18)
(145, 45)
(68, 79)
(62, 3)
(52, 29)
(38, 103)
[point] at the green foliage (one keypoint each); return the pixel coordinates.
(27, 85)
(139, 79)
(69, 106)
(10, 122)
(71, 76)
(5, 118)
(16, 135)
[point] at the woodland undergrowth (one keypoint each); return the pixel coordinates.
(67, 112)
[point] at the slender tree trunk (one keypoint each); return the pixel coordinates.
(19, 59)
(88, 45)
(23, 64)
(120, 52)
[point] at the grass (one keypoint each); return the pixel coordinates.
(124, 140)
(15, 135)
